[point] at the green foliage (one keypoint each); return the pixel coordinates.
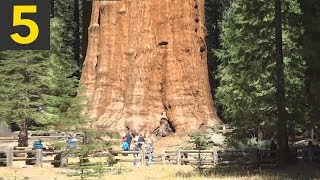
(92, 145)
(21, 87)
(248, 143)
(247, 66)
(201, 141)
(64, 12)
(39, 87)
(88, 170)
(62, 106)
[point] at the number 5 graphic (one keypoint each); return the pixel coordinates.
(17, 21)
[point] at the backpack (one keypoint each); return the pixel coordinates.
(125, 146)
(124, 139)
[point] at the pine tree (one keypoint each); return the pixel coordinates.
(62, 108)
(39, 87)
(71, 21)
(247, 71)
(214, 13)
(21, 89)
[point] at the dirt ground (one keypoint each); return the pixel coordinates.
(163, 172)
(170, 143)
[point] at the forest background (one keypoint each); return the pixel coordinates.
(38, 88)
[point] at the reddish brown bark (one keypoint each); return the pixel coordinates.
(145, 58)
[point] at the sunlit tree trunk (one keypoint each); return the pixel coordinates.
(146, 59)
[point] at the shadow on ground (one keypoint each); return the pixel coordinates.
(298, 170)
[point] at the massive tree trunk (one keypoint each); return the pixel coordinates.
(145, 60)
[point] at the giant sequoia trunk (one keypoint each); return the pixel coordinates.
(145, 60)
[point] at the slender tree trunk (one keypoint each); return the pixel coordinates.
(23, 135)
(280, 88)
(77, 33)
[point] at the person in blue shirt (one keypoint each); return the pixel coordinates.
(72, 143)
(128, 138)
(37, 144)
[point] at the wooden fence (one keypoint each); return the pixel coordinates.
(221, 158)
(15, 137)
(207, 158)
(9, 155)
(223, 128)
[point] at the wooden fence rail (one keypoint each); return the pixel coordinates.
(38, 154)
(223, 158)
(16, 137)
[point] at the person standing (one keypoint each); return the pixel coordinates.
(137, 148)
(125, 146)
(72, 143)
(128, 138)
(38, 144)
(149, 151)
(140, 139)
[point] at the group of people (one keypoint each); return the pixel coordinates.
(139, 145)
(71, 143)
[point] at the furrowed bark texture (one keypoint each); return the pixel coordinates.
(147, 58)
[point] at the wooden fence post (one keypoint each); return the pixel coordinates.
(215, 157)
(143, 158)
(224, 128)
(9, 157)
(38, 158)
(178, 157)
(163, 157)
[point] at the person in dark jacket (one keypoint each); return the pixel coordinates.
(140, 139)
(273, 149)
